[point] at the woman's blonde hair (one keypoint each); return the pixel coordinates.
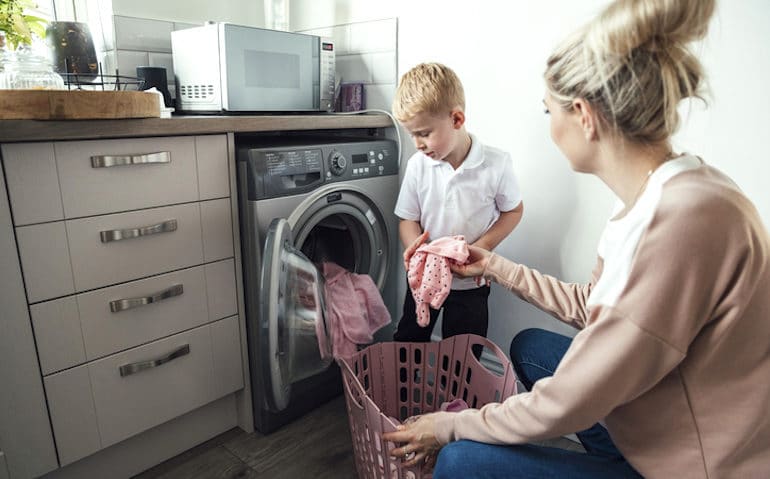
(430, 88)
(632, 64)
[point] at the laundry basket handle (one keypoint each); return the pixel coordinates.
(475, 340)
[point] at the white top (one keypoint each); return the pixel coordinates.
(620, 238)
(465, 201)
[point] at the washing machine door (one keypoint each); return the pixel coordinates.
(292, 316)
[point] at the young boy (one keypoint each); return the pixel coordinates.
(453, 185)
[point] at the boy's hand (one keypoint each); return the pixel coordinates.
(477, 263)
(410, 250)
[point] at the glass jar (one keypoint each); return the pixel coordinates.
(25, 70)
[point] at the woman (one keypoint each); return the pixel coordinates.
(673, 352)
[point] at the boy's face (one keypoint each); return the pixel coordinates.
(437, 135)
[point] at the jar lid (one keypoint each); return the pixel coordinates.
(24, 58)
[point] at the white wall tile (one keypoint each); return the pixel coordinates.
(129, 60)
(382, 66)
(99, 17)
(184, 26)
(353, 68)
(375, 36)
(379, 97)
(339, 34)
(142, 34)
(110, 62)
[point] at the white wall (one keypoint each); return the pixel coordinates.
(499, 47)
(240, 12)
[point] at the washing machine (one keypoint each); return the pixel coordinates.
(305, 201)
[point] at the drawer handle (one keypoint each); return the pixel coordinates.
(119, 305)
(133, 368)
(106, 161)
(117, 235)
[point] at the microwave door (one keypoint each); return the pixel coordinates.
(268, 70)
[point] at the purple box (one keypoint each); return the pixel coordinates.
(351, 97)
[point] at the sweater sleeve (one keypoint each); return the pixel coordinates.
(565, 301)
(591, 380)
(689, 255)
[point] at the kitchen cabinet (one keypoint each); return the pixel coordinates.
(130, 278)
(121, 290)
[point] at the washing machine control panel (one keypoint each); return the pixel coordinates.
(337, 163)
(292, 168)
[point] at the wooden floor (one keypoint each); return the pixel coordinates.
(317, 445)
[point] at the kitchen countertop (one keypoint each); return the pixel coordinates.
(38, 130)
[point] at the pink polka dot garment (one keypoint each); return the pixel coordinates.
(429, 276)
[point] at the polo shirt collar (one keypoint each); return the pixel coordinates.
(475, 156)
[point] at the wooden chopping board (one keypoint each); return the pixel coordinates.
(76, 105)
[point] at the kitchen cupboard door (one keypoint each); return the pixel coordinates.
(221, 289)
(33, 183)
(25, 431)
(216, 219)
(73, 417)
(45, 261)
(58, 334)
(213, 173)
(225, 341)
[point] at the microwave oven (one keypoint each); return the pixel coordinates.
(221, 67)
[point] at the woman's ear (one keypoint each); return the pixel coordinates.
(458, 118)
(586, 117)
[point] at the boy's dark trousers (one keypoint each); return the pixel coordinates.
(465, 311)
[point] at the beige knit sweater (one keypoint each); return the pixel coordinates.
(674, 348)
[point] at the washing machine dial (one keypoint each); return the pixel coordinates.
(337, 163)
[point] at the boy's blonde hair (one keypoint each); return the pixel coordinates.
(633, 64)
(430, 88)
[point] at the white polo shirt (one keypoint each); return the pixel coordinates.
(465, 201)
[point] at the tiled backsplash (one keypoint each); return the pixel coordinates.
(367, 53)
(140, 42)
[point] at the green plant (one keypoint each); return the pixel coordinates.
(18, 26)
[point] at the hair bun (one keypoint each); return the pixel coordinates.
(626, 25)
(634, 65)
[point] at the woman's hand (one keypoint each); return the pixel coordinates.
(410, 250)
(417, 440)
(477, 263)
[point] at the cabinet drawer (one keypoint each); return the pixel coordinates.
(76, 329)
(62, 258)
(108, 176)
(175, 170)
(93, 406)
(114, 248)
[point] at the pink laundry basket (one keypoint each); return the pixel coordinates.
(388, 382)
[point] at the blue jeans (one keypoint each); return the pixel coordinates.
(535, 353)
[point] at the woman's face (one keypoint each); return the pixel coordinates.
(569, 135)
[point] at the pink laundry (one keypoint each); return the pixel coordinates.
(429, 276)
(354, 310)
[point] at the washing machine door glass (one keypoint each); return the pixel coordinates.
(292, 316)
